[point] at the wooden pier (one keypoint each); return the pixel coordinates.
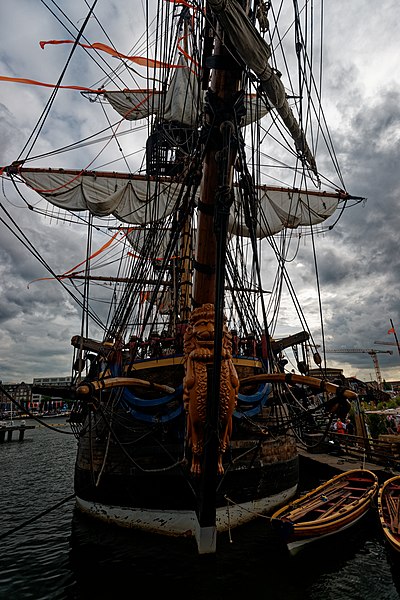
(7, 432)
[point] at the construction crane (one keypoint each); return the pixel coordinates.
(396, 343)
(372, 353)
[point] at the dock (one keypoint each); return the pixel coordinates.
(7, 431)
(329, 465)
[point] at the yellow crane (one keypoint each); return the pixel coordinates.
(372, 352)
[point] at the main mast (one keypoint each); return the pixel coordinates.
(217, 168)
(216, 196)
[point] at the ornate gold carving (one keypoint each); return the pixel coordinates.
(199, 351)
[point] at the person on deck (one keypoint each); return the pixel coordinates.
(349, 426)
(339, 426)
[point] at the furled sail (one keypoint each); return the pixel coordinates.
(285, 208)
(139, 104)
(134, 104)
(255, 52)
(134, 200)
(137, 200)
(181, 102)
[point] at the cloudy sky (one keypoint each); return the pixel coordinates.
(358, 264)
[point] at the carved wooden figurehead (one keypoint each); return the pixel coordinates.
(199, 352)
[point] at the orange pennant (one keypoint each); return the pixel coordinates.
(99, 251)
(49, 85)
(140, 60)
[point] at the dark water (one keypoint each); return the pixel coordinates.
(64, 556)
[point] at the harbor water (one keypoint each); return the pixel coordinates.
(63, 555)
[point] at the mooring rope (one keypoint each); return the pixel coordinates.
(36, 517)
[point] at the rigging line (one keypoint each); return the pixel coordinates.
(31, 415)
(29, 246)
(130, 458)
(99, 54)
(36, 517)
(88, 141)
(249, 206)
(85, 312)
(77, 220)
(318, 112)
(114, 136)
(318, 284)
(289, 284)
(41, 121)
(244, 309)
(298, 36)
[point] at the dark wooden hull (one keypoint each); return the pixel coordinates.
(134, 470)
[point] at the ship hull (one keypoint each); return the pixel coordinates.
(182, 523)
(134, 463)
(133, 483)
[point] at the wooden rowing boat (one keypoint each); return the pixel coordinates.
(330, 508)
(389, 511)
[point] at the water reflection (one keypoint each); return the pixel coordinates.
(247, 564)
(351, 565)
(67, 556)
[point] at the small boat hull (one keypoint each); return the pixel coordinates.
(331, 508)
(389, 512)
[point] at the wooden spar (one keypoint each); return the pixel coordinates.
(87, 389)
(185, 249)
(290, 378)
(336, 506)
(75, 174)
(298, 513)
(185, 281)
(115, 279)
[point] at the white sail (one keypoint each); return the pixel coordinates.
(137, 201)
(181, 103)
(255, 52)
(283, 208)
(139, 104)
(135, 104)
(130, 200)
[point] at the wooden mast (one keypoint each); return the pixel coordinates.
(223, 84)
(209, 270)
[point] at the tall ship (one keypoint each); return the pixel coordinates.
(192, 197)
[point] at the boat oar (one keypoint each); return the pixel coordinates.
(313, 505)
(336, 506)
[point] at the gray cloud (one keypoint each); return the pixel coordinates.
(358, 264)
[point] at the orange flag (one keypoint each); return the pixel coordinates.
(49, 85)
(140, 60)
(391, 330)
